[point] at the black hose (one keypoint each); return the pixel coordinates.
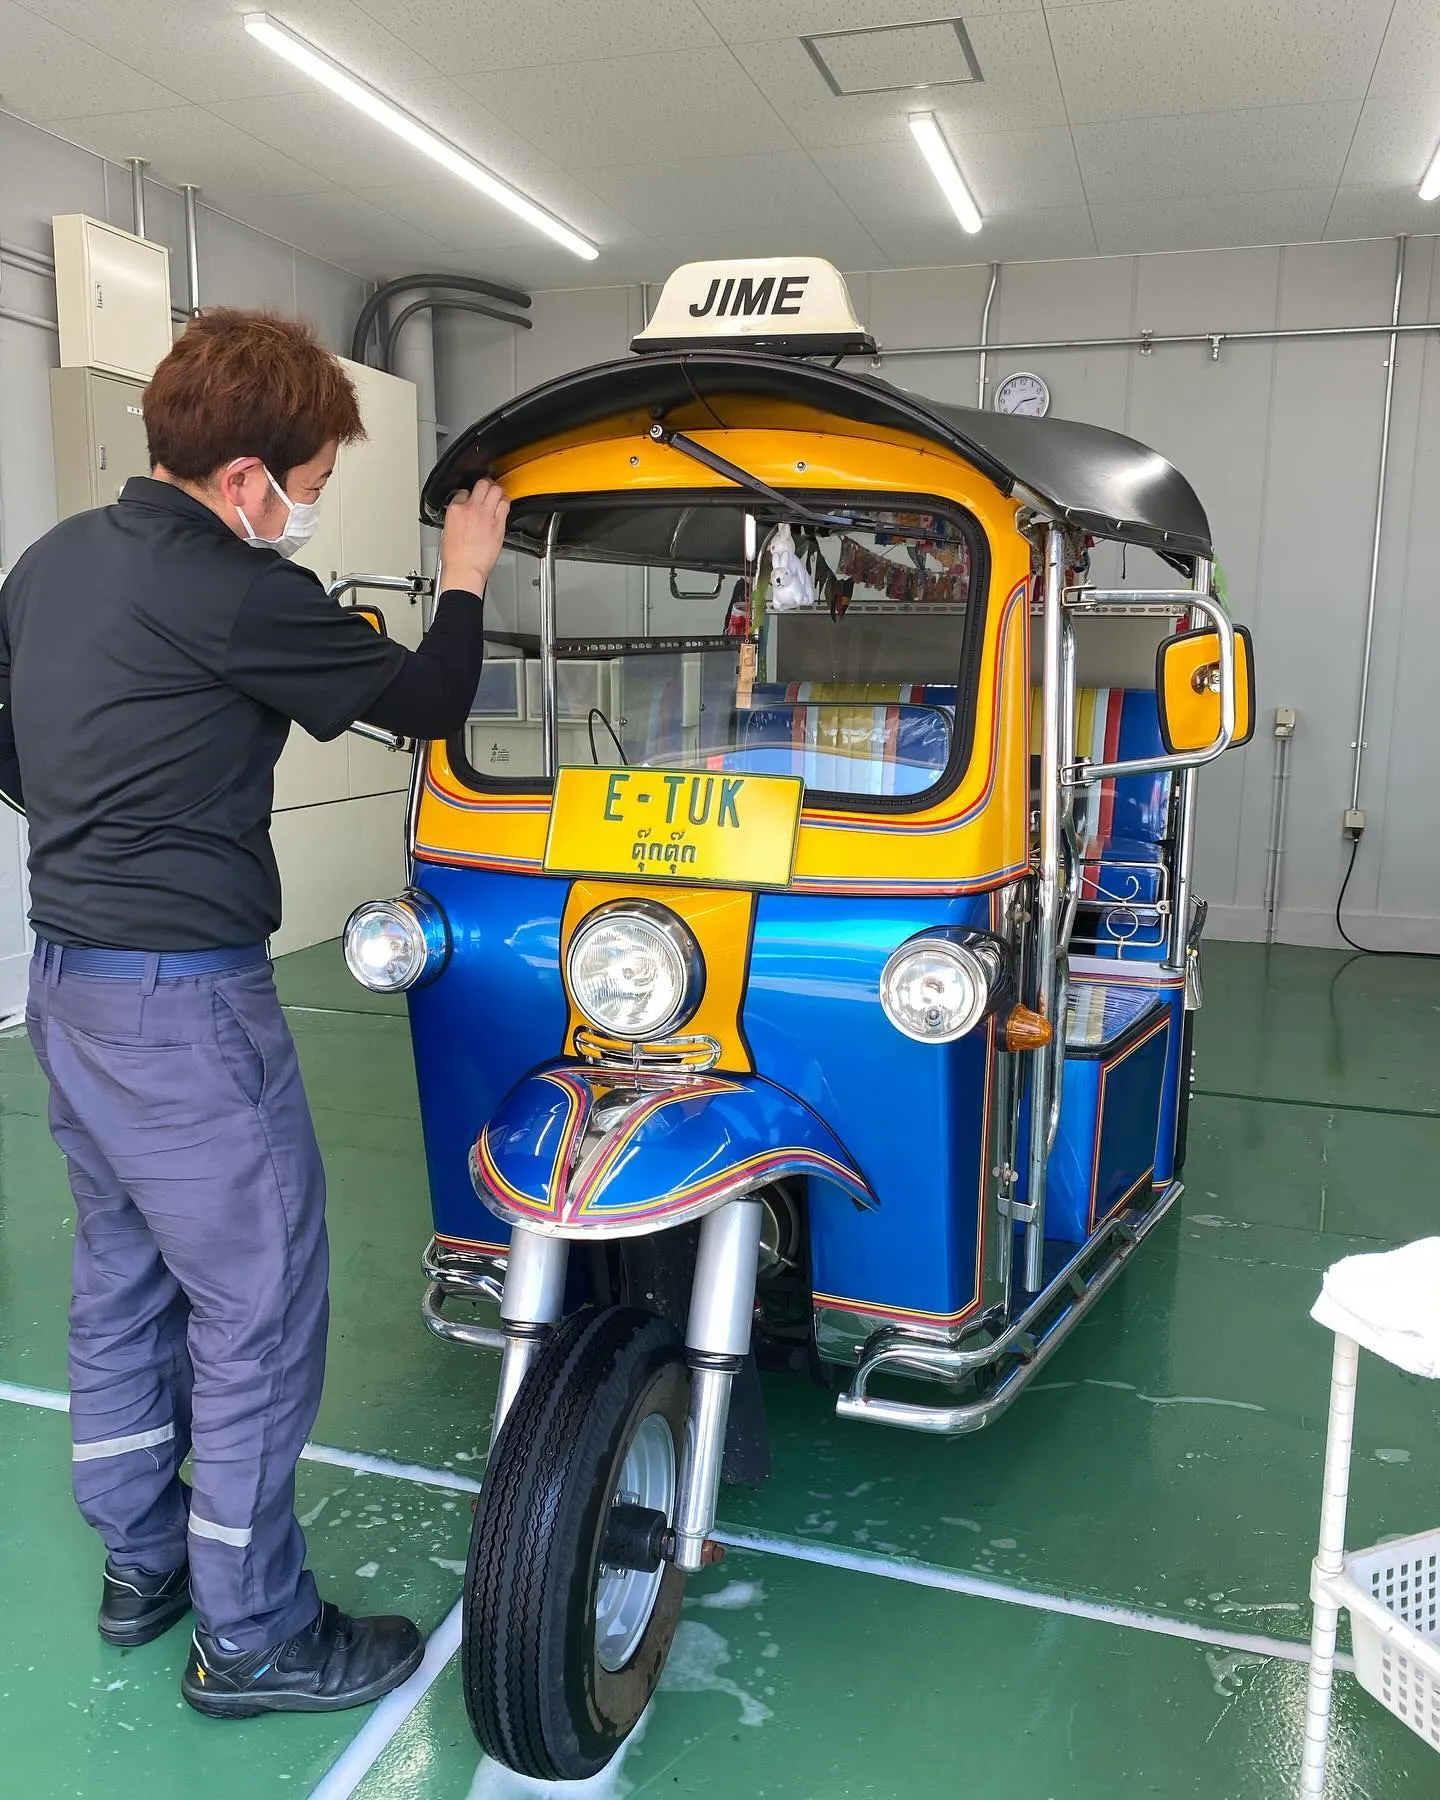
(404, 284)
(450, 303)
(1364, 949)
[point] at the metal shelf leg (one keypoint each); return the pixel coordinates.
(1329, 1561)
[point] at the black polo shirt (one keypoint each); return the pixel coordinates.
(154, 662)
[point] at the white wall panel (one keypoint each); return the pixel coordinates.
(1281, 441)
(326, 859)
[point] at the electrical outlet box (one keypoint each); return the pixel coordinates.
(1284, 721)
(1354, 822)
(112, 297)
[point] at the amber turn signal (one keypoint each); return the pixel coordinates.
(1026, 1029)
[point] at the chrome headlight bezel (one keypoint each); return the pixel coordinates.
(424, 928)
(981, 961)
(676, 942)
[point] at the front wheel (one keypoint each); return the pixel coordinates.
(567, 1624)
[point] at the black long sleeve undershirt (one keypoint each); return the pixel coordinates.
(431, 695)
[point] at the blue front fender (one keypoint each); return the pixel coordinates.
(572, 1150)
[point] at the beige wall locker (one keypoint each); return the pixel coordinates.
(99, 437)
(112, 292)
(339, 807)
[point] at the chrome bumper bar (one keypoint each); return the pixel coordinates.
(454, 1275)
(1029, 1343)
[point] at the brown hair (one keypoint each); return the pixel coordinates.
(247, 384)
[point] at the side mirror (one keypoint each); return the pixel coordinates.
(1187, 690)
(373, 617)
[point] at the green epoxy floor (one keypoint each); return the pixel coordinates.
(1169, 1464)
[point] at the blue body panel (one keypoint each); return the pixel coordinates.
(497, 1011)
(911, 1115)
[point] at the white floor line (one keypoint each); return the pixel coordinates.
(45, 1398)
(370, 1743)
(926, 1575)
(364, 1464)
(955, 1581)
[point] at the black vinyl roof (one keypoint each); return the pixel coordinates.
(1096, 479)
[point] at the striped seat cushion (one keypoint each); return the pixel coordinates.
(849, 739)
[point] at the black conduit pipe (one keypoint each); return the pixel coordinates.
(449, 303)
(465, 284)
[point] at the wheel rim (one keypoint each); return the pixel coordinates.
(625, 1598)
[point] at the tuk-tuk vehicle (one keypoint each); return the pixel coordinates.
(800, 959)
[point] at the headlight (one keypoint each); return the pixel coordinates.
(934, 989)
(634, 970)
(395, 944)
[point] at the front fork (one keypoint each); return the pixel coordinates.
(717, 1339)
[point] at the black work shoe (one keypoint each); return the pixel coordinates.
(136, 1607)
(336, 1662)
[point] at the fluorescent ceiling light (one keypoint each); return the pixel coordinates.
(1430, 186)
(945, 169)
(319, 67)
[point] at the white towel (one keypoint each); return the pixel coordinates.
(1389, 1303)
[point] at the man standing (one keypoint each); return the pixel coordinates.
(153, 655)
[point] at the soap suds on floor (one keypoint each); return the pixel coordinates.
(732, 1598)
(696, 1658)
(1392, 1456)
(367, 1570)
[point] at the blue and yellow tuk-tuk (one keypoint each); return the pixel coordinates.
(800, 955)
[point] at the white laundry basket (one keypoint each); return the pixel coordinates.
(1392, 1593)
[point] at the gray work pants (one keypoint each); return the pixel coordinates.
(199, 1308)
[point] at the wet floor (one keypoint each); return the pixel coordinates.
(1151, 1508)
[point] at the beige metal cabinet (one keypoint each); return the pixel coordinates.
(98, 431)
(112, 294)
(369, 524)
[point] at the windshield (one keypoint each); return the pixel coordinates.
(833, 652)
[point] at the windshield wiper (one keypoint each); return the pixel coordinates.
(791, 508)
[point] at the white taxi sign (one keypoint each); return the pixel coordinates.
(796, 305)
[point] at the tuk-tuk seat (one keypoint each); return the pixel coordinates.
(1121, 823)
(847, 738)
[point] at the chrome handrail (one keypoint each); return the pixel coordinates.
(934, 1362)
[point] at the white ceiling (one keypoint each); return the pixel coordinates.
(672, 129)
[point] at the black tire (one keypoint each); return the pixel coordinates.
(1182, 1098)
(539, 1698)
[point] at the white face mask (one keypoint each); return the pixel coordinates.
(301, 523)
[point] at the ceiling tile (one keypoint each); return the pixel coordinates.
(187, 144)
(1018, 89)
(682, 103)
(796, 89)
(1191, 224)
(1059, 231)
(1381, 212)
(896, 56)
(45, 73)
(1124, 58)
(1214, 154)
(341, 228)
(1006, 171)
(847, 245)
(219, 62)
(1409, 61)
(744, 21)
(730, 193)
(465, 39)
(1394, 141)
